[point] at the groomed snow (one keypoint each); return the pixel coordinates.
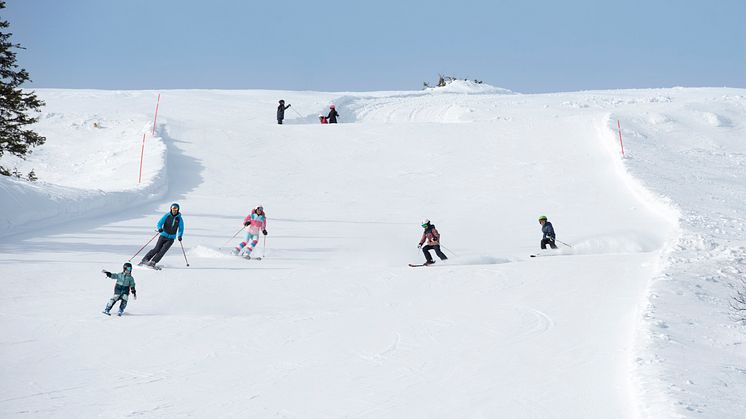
(633, 321)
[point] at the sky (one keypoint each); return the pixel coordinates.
(524, 46)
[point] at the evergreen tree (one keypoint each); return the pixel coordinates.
(14, 103)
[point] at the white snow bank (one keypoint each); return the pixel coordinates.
(469, 87)
(90, 163)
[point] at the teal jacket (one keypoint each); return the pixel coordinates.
(124, 282)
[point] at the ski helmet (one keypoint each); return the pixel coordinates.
(127, 266)
(425, 223)
(260, 208)
(282, 101)
(331, 106)
(543, 218)
(175, 205)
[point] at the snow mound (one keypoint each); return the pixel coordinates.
(207, 252)
(469, 87)
(716, 120)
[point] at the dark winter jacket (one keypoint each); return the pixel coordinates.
(332, 117)
(281, 112)
(171, 224)
(431, 235)
(548, 230)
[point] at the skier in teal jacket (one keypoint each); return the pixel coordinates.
(170, 227)
(125, 283)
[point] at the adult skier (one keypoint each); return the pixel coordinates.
(125, 283)
(255, 222)
(549, 235)
(332, 117)
(432, 237)
(170, 226)
(281, 111)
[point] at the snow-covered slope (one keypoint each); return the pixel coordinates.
(332, 323)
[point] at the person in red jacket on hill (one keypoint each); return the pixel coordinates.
(432, 237)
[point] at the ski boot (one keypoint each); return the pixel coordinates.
(106, 312)
(121, 313)
(429, 262)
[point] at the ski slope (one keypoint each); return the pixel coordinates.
(633, 321)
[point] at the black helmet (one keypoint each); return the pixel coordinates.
(282, 100)
(127, 266)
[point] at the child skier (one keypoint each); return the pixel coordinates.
(125, 283)
(281, 111)
(433, 242)
(255, 222)
(169, 226)
(332, 117)
(323, 119)
(549, 236)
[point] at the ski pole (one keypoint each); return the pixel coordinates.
(182, 251)
(563, 243)
(232, 237)
(451, 251)
(297, 113)
(264, 248)
(146, 245)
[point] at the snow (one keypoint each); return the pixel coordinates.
(631, 321)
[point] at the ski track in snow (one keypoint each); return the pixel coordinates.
(332, 322)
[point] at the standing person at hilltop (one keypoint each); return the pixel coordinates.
(332, 117)
(432, 237)
(549, 235)
(281, 111)
(170, 226)
(255, 222)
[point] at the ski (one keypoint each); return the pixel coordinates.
(419, 265)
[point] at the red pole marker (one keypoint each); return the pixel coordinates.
(142, 152)
(621, 144)
(155, 118)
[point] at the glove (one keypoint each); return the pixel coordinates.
(419, 246)
(246, 224)
(179, 238)
(264, 232)
(106, 272)
(160, 230)
(134, 293)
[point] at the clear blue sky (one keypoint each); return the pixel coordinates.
(526, 46)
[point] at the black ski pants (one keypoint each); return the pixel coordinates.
(548, 241)
(160, 249)
(426, 250)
